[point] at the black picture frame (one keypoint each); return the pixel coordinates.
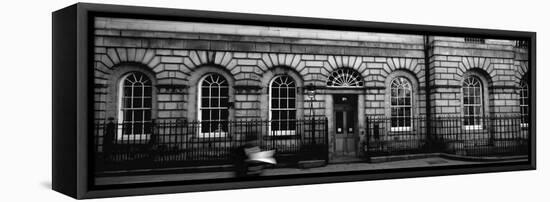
(72, 91)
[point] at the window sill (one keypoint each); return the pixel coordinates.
(282, 133)
(212, 135)
(401, 129)
(473, 127)
(524, 125)
(134, 138)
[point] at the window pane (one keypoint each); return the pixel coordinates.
(284, 93)
(339, 122)
(127, 115)
(138, 91)
(394, 111)
(147, 91)
(400, 92)
(274, 92)
(127, 103)
(407, 122)
(127, 91)
(275, 115)
(138, 115)
(137, 103)
(224, 114)
(401, 101)
(147, 115)
(147, 103)
(407, 93)
(283, 125)
(126, 128)
(407, 111)
(291, 103)
(224, 102)
(215, 114)
(275, 103)
(394, 122)
(283, 103)
(292, 92)
(205, 92)
(224, 91)
(214, 102)
(284, 115)
(205, 114)
(214, 91)
(205, 102)
(292, 114)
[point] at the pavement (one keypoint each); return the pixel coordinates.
(340, 167)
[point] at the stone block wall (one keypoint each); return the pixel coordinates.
(174, 53)
(498, 61)
(178, 54)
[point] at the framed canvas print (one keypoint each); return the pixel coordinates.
(154, 100)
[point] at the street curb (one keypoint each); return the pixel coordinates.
(444, 155)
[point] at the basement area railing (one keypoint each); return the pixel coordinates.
(463, 136)
(179, 143)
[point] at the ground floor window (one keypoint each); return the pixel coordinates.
(213, 106)
(135, 106)
(401, 104)
(472, 100)
(524, 103)
(283, 106)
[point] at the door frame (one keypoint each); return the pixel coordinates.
(329, 112)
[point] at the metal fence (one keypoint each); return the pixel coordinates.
(491, 136)
(178, 143)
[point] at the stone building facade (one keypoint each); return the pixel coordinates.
(354, 75)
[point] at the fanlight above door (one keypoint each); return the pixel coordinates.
(345, 77)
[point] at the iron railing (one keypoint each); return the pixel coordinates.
(178, 143)
(493, 136)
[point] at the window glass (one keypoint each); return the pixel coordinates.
(345, 77)
(524, 102)
(472, 101)
(214, 104)
(135, 104)
(283, 105)
(401, 104)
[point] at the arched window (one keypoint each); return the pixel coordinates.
(135, 106)
(282, 111)
(472, 100)
(401, 104)
(524, 103)
(345, 77)
(213, 105)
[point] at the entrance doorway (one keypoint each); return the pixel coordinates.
(345, 127)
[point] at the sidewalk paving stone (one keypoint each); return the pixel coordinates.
(341, 167)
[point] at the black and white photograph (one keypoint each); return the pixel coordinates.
(274, 101)
(185, 101)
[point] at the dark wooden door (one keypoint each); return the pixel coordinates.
(345, 125)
